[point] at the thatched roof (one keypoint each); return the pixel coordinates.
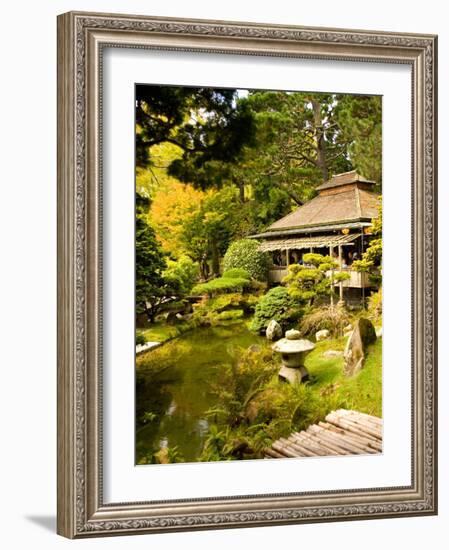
(343, 199)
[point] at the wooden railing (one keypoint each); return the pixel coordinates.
(356, 279)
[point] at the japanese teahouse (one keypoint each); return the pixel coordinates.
(336, 222)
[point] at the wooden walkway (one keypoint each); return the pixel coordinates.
(343, 433)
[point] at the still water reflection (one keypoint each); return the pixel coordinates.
(174, 388)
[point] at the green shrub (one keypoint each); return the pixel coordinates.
(332, 319)
(375, 305)
(221, 285)
(306, 284)
(245, 254)
(236, 273)
(225, 301)
(249, 303)
(204, 317)
(275, 304)
(230, 315)
(140, 338)
(181, 275)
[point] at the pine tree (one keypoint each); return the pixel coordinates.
(360, 120)
(150, 263)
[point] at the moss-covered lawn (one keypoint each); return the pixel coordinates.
(161, 332)
(361, 392)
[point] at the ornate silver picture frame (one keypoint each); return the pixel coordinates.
(82, 38)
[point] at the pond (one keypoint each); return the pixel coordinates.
(174, 388)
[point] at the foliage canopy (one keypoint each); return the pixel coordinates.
(245, 254)
(276, 304)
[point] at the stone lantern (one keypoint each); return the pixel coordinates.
(293, 352)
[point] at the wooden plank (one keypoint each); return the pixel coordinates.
(366, 429)
(310, 445)
(325, 441)
(282, 450)
(351, 426)
(271, 453)
(342, 433)
(334, 439)
(372, 428)
(351, 437)
(297, 448)
(347, 425)
(359, 444)
(339, 440)
(330, 451)
(368, 444)
(370, 418)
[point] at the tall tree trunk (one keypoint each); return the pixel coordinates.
(241, 187)
(319, 140)
(215, 259)
(204, 268)
(151, 313)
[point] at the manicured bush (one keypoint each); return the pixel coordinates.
(308, 283)
(245, 254)
(140, 338)
(332, 319)
(275, 304)
(221, 285)
(225, 301)
(236, 273)
(230, 315)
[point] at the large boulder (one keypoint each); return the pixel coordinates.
(362, 336)
(273, 331)
(322, 335)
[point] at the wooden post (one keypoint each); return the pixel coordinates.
(287, 252)
(340, 261)
(331, 252)
(362, 273)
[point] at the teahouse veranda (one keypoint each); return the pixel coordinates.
(337, 222)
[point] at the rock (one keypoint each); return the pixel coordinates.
(274, 331)
(362, 336)
(332, 353)
(322, 335)
(179, 316)
(379, 332)
(293, 334)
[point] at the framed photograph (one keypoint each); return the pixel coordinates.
(246, 275)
